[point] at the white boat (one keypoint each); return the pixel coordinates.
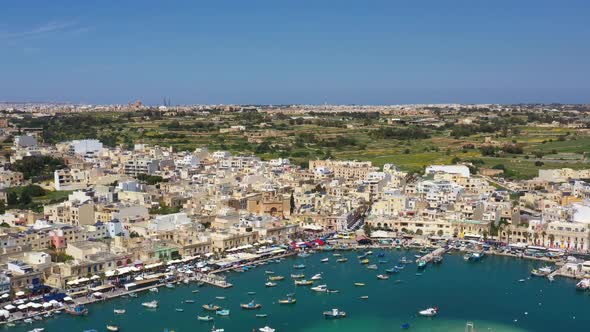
(583, 285)
(320, 288)
(28, 321)
(169, 285)
(39, 329)
(113, 328)
(154, 289)
(334, 313)
(151, 305)
(325, 260)
(372, 267)
(317, 277)
(119, 311)
(266, 329)
(430, 312)
(132, 294)
(542, 272)
(270, 284)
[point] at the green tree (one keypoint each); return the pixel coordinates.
(2, 207)
(25, 198)
(367, 229)
(292, 203)
(12, 198)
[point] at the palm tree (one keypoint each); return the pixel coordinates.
(536, 238)
(551, 239)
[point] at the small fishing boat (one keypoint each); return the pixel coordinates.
(266, 329)
(211, 307)
(38, 329)
(320, 288)
(325, 260)
(217, 330)
(195, 291)
(297, 276)
(224, 312)
(189, 301)
(201, 283)
(220, 297)
(299, 266)
(119, 311)
(79, 310)
(113, 328)
(382, 277)
(430, 312)
(364, 297)
(369, 252)
(276, 278)
(303, 282)
(28, 321)
(169, 285)
(332, 291)
(392, 270)
(133, 295)
(417, 256)
(421, 264)
(288, 300)
(37, 318)
(154, 289)
(399, 267)
(437, 259)
(521, 280)
(359, 284)
(342, 260)
(372, 267)
(270, 284)
(205, 318)
(261, 315)
(251, 293)
(150, 305)
(418, 274)
(317, 277)
(251, 305)
(383, 261)
(336, 254)
(364, 261)
(269, 272)
(47, 315)
(404, 260)
(303, 254)
(334, 314)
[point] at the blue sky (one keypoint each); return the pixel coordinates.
(282, 51)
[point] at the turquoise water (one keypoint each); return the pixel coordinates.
(487, 293)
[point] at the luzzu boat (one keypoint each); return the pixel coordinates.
(303, 282)
(211, 307)
(251, 305)
(299, 266)
(288, 300)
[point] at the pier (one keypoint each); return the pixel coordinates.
(430, 256)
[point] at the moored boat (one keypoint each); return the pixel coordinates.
(276, 278)
(364, 297)
(364, 261)
(317, 277)
(437, 259)
(297, 276)
(334, 314)
(151, 305)
(224, 312)
(211, 307)
(169, 285)
(430, 312)
(342, 260)
(299, 266)
(382, 277)
(261, 315)
(303, 282)
(119, 311)
(205, 318)
(266, 329)
(325, 260)
(359, 284)
(372, 267)
(542, 272)
(113, 328)
(251, 305)
(320, 288)
(288, 300)
(79, 310)
(583, 285)
(270, 284)
(421, 264)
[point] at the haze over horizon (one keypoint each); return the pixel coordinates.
(304, 52)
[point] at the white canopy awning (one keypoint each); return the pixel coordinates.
(9, 307)
(67, 298)
(47, 305)
(19, 293)
(22, 307)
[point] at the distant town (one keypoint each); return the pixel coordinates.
(93, 196)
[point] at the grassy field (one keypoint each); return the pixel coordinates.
(328, 136)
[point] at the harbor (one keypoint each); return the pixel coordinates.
(384, 303)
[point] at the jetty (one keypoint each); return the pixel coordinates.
(430, 256)
(213, 280)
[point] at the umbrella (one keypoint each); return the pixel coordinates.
(5, 296)
(67, 298)
(19, 293)
(47, 305)
(22, 307)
